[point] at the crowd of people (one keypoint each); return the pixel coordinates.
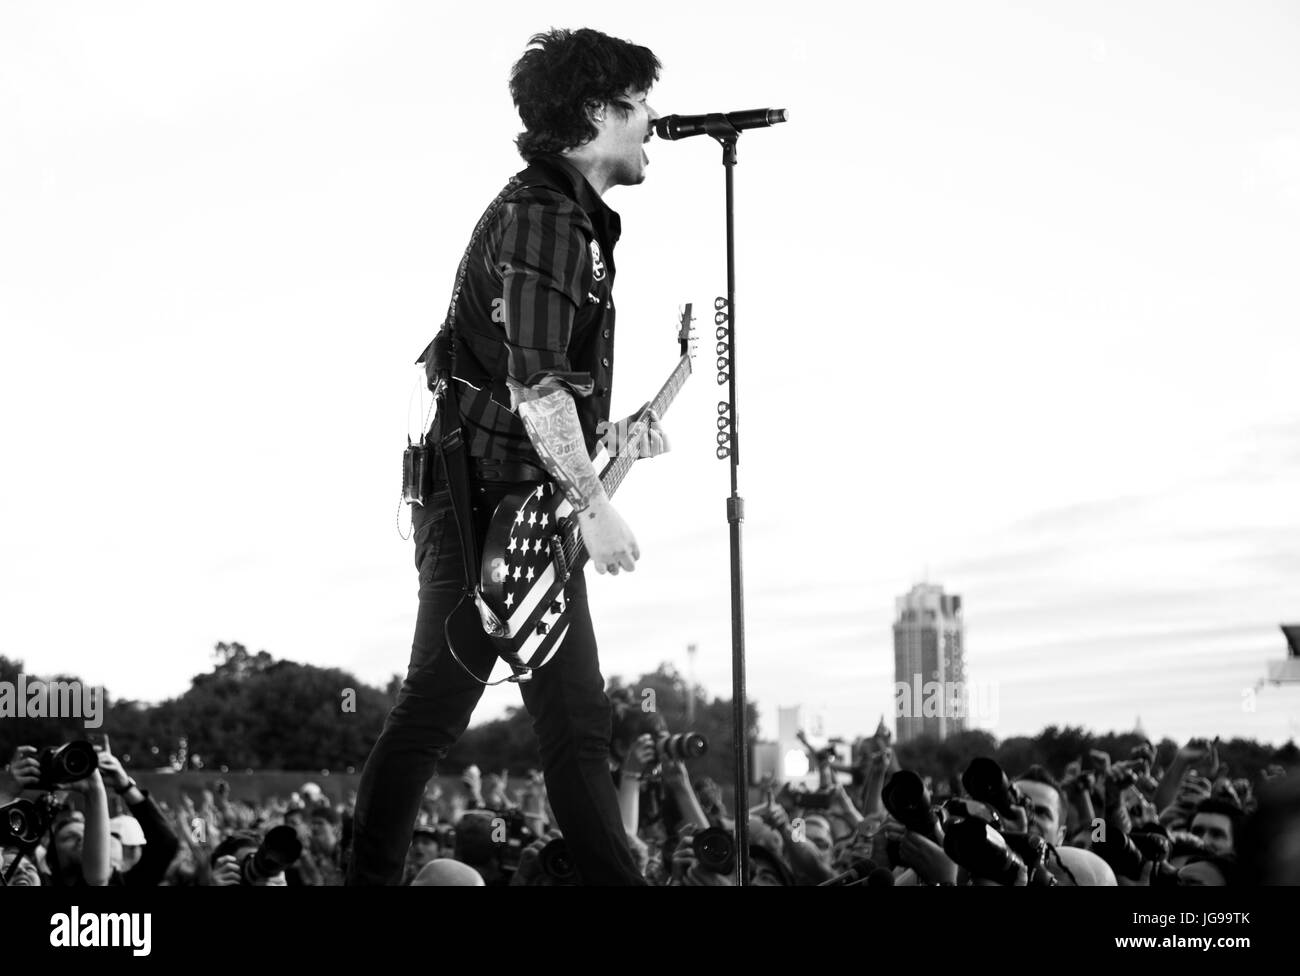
(1101, 820)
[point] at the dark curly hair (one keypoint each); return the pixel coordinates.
(563, 74)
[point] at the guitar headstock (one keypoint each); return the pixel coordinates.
(685, 333)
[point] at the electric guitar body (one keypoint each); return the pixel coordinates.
(534, 545)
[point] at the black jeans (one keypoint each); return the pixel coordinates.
(566, 700)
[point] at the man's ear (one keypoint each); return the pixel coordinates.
(596, 112)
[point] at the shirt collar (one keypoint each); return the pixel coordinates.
(586, 196)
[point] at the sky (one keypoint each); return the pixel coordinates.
(1016, 315)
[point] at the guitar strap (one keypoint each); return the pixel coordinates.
(444, 435)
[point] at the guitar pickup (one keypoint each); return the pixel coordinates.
(560, 564)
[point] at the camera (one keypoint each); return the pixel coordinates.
(715, 850)
(279, 849)
(908, 801)
(681, 745)
(61, 765)
(557, 864)
(518, 836)
(1152, 842)
(811, 799)
(973, 838)
(973, 830)
(985, 782)
(1133, 772)
(24, 822)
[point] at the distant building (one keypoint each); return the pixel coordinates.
(929, 676)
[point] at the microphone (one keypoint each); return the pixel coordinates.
(717, 124)
(859, 870)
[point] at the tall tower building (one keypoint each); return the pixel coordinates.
(929, 689)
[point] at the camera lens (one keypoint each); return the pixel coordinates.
(683, 745)
(278, 850)
(67, 763)
(556, 864)
(715, 850)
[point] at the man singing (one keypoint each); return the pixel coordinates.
(533, 345)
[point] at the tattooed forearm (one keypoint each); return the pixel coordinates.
(552, 425)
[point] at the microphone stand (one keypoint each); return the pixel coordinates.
(729, 447)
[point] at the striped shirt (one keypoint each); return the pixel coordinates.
(536, 308)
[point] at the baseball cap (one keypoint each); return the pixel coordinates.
(128, 830)
(445, 872)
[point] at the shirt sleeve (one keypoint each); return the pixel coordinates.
(161, 845)
(543, 261)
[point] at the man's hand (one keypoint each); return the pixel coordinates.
(226, 872)
(110, 767)
(774, 816)
(551, 420)
(927, 859)
(610, 543)
(87, 784)
(25, 768)
(618, 440)
(1194, 788)
(640, 754)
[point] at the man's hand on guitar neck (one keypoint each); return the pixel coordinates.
(618, 440)
(551, 420)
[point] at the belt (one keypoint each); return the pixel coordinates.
(490, 469)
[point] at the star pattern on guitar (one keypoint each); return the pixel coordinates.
(528, 551)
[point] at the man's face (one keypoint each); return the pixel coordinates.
(423, 850)
(299, 823)
(1044, 810)
(68, 843)
(131, 854)
(323, 838)
(1215, 829)
(623, 135)
(26, 876)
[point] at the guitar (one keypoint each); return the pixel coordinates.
(534, 545)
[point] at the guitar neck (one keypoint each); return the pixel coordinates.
(618, 468)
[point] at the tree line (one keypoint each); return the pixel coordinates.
(252, 711)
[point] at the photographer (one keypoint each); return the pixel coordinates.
(26, 875)
(426, 846)
(637, 761)
(228, 858)
(1195, 762)
(922, 859)
(1047, 810)
(321, 864)
(159, 841)
(803, 857)
(687, 871)
(79, 849)
(1216, 823)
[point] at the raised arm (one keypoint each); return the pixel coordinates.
(543, 259)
